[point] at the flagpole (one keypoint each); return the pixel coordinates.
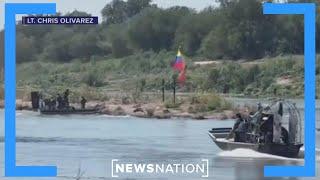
(163, 88)
(174, 89)
(179, 66)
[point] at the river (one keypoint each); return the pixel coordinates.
(89, 143)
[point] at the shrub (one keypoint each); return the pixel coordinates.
(93, 78)
(171, 105)
(209, 102)
(150, 112)
(1, 93)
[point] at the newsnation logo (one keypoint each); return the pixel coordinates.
(128, 169)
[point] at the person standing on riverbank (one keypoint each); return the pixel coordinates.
(83, 102)
(66, 98)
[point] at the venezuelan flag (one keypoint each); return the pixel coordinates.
(179, 63)
(182, 76)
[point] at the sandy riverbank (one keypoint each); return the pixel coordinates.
(146, 110)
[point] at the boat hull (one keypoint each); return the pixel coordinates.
(290, 150)
(227, 145)
(68, 111)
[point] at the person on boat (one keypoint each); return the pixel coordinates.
(241, 131)
(260, 107)
(41, 102)
(53, 103)
(237, 128)
(59, 101)
(266, 128)
(66, 98)
(47, 104)
(83, 102)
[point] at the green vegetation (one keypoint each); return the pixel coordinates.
(106, 78)
(234, 30)
(208, 102)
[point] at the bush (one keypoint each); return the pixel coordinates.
(1, 93)
(209, 102)
(171, 105)
(150, 112)
(93, 78)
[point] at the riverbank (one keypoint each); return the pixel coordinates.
(144, 110)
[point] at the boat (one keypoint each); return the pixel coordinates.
(282, 142)
(285, 150)
(51, 106)
(68, 111)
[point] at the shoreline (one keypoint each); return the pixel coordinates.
(143, 110)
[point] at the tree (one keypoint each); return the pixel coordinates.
(242, 31)
(25, 48)
(119, 11)
(136, 6)
(116, 35)
(84, 45)
(57, 44)
(215, 45)
(190, 35)
(234, 30)
(154, 29)
(115, 12)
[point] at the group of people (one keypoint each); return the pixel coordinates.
(60, 102)
(258, 126)
(63, 102)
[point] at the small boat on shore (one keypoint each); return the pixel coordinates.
(68, 111)
(265, 132)
(58, 105)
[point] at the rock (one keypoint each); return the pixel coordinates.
(150, 112)
(158, 108)
(137, 106)
(139, 109)
(139, 114)
(229, 114)
(100, 106)
(125, 100)
(199, 117)
(23, 105)
(26, 105)
(106, 110)
(161, 113)
(166, 111)
(119, 111)
(191, 109)
(184, 115)
(223, 116)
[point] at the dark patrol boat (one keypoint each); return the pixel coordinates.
(265, 131)
(50, 108)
